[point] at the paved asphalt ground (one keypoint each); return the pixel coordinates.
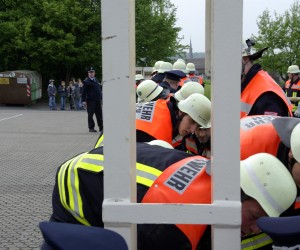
(34, 142)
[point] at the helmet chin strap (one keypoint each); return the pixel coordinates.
(243, 74)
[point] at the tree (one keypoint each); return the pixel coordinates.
(157, 38)
(56, 38)
(281, 34)
(60, 38)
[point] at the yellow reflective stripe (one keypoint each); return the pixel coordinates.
(61, 184)
(99, 143)
(256, 242)
(73, 186)
(294, 94)
(146, 175)
(91, 162)
(61, 187)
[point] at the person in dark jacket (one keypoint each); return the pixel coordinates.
(63, 92)
(52, 91)
(160, 171)
(260, 94)
(92, 100)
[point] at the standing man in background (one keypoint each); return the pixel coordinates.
(292, 88)
(92, 99)
(52, 91)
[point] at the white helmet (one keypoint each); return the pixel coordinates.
(139, 77)
(157, 66)
(180, 60)
(165, 66)
(187, 89)
(198, 107)
(179, 65)
(161, 143)
(148, 90)
(295, 142)
(293, 69)
(190, 67)
(267, 180)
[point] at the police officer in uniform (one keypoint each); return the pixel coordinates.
(92, 100)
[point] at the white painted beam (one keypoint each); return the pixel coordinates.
(118, 56)
(221, 213)
(226, 37)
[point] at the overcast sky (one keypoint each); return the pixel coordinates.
(191, 17)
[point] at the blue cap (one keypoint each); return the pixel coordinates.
(77, 237)
(284, 231)
(175, 74)
(91, 69)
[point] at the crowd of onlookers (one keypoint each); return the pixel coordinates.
(69, 96)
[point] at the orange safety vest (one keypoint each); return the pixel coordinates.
(262, 82)
(191, 146)
(297, 203)
(295, 88)
(154, 118)
(186, 181)
(195, 78)
(183, 80)
(258, 135)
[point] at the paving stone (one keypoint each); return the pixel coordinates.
(32, 147)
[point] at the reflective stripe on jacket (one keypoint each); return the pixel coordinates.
(99, 142)
(178, 184)
(69, 181)
(256, 242)
(195, 78)
(154, 118)
(251, 139)
(255, 89)
(184, 80)
(294, 88)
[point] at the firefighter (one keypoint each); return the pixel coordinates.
(197, 143)
(160, 75)
(169, 176)
(180, 65)
(138, 79)
(187, 89)
(190, 68)
(279, 139)
(172, 80)
(171, 121)
(260, 94)
(292, 88)
(154, 73)
(149, 91)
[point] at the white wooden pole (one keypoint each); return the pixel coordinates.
(226, 34)
(118, 55)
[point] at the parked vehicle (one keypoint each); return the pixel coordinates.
(20, 87)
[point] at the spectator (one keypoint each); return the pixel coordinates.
(71, 94)
(80, 91)
(52, 91)
(76, 96)
(63, 92)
